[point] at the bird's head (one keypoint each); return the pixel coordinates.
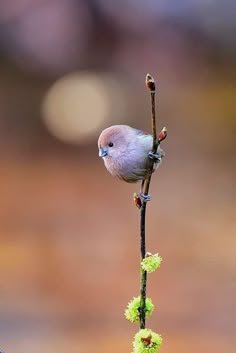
(113, 141)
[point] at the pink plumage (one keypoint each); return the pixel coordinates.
(125, 152)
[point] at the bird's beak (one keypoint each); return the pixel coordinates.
(102, 152)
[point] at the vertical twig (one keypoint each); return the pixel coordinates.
(150, 83)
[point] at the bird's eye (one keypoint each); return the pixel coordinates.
(110, 144)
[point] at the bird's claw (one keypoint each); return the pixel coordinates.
(144, 198)
(155, 156)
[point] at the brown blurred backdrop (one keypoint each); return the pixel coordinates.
(69, 232)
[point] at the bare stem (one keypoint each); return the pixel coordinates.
(154, 129)
(150, 83)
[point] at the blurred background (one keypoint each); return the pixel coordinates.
(69, 232)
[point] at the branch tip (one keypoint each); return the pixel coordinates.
(150, 83)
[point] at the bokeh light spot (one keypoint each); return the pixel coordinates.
(76, 107)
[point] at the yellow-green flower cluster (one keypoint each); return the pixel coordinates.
(132, 311)
(146, 341)
(151, 262)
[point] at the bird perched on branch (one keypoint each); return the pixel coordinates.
(127, 151)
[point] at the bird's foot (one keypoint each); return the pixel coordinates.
(155, 156)
(144, 198)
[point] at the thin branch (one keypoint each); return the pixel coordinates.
(150, 83)
(154, 129)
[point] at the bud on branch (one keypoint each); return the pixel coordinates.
(150, 83)
(162, 135)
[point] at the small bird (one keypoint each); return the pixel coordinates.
(126, 152)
